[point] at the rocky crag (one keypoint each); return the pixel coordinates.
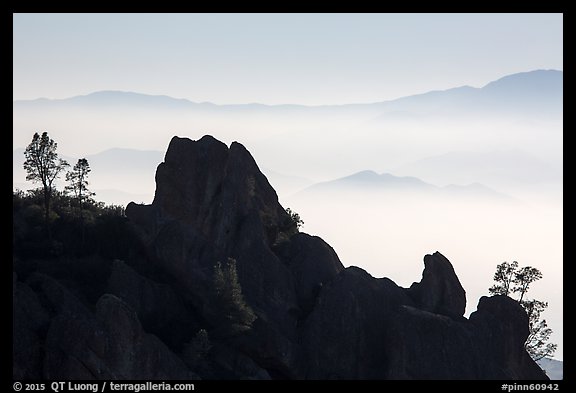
(139, 318)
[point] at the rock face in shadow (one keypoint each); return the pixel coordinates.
(312, 263)
(213, 203)
(345, 333)
(159, 309)
(29, 319)
(490, 345)
(315, 319)
(503, 327)
(439, 291)
(77, 343)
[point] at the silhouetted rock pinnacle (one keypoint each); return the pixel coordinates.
(315, 319)
(439, 291)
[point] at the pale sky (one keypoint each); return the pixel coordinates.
(309, 59)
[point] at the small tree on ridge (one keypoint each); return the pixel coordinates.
(78, 179)
(510, 279)
(43, 165)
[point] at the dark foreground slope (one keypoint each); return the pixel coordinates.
(140, 316)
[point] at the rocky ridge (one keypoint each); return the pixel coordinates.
(315, 319)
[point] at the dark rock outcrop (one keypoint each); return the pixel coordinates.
(490, 345)
(213, 203)
(80, 344)
(425, 345)
(29, 320)
(345, 333)
(439, 291)
(503, 327)
(312, 263)
(315, 319)
(160, 310)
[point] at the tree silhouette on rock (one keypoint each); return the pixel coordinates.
(232, 315)
(78, 187)
(43, 166)
(511, 279)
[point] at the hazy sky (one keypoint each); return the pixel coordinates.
(276, 58)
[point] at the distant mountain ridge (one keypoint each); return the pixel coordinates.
(535, 92)
(543, 84)
(547, 82)
(370, 181)
(404, 130)
(113, 169)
